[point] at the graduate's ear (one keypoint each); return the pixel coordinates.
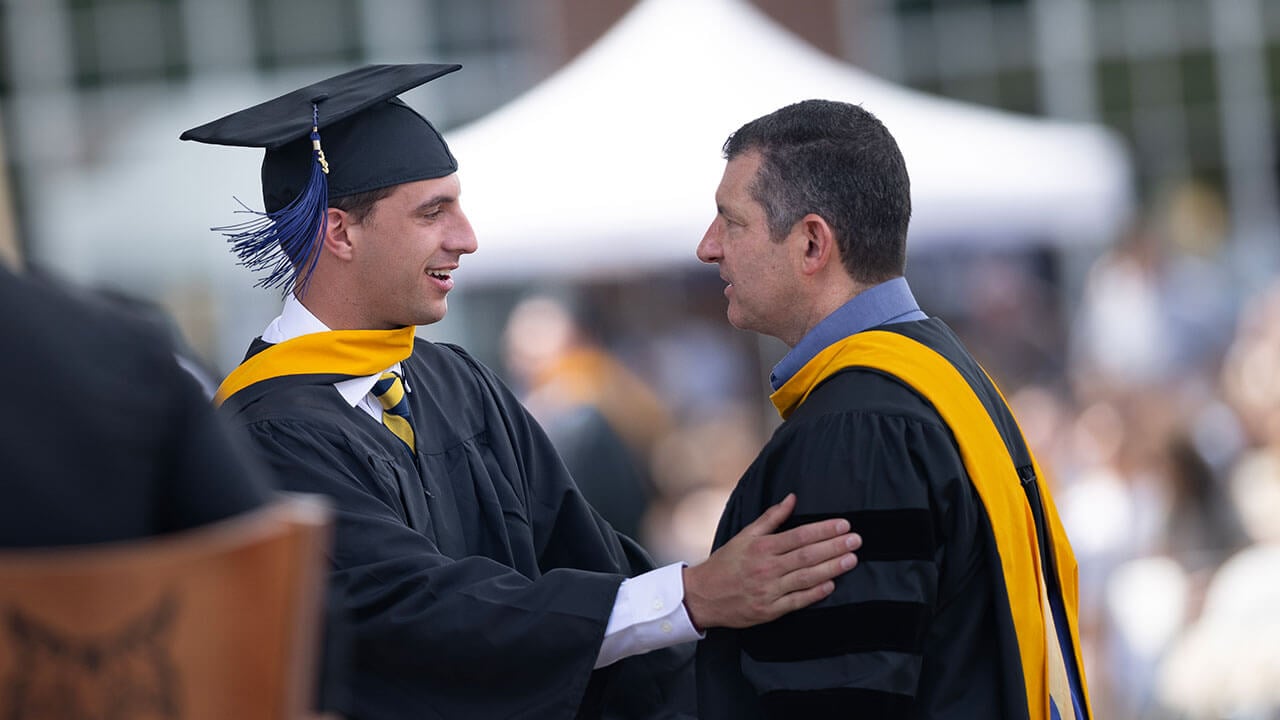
(337, 235)
(818, 243)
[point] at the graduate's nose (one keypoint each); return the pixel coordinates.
(464, 241)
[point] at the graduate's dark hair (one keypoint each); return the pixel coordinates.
(360, 204)
(838, 161)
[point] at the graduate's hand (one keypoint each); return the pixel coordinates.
(760, 576)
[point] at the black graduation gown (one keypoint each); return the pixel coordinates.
(477, 580)
(103, 436)
(913, 631)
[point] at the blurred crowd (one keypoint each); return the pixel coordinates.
(1151, 395)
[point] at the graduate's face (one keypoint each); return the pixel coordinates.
(407, 248)
(757, 269)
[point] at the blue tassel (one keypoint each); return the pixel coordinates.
(286, 243)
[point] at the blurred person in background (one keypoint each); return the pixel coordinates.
(1202, 527)
(966, 603)
(104, 437)
(479, 582)
(696, 465)
(705, 371)
(601, 417)
(1158, 309)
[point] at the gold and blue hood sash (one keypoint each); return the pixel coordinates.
(351, 353)
(994, 476)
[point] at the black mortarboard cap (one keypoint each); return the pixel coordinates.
(344, 135)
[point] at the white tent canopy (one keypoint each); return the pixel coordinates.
(610, 165)
(607, 167)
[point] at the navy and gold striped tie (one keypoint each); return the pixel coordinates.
(395, 407)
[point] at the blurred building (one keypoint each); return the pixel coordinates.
(74, 73)
(1190, 82)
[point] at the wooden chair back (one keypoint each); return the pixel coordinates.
(217, 622)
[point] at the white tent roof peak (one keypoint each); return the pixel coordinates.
(611, 164)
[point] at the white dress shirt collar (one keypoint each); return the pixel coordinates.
(296, 320)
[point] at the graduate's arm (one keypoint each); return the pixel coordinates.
(756, 577)
(646, 653)
(560, 515)
(452, 633)
(861, 647)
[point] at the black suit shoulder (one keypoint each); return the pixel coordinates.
(51, 327)
(104, 436)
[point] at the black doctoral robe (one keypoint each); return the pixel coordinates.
(921, 628)
(477, 580)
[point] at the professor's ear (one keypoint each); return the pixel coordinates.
(819, 243)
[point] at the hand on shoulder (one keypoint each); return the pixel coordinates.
(761, 575)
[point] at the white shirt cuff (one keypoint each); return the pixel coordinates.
(648, 614)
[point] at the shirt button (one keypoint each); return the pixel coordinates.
(666, 626)
(657, 604)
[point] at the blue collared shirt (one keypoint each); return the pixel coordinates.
(890, 301)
